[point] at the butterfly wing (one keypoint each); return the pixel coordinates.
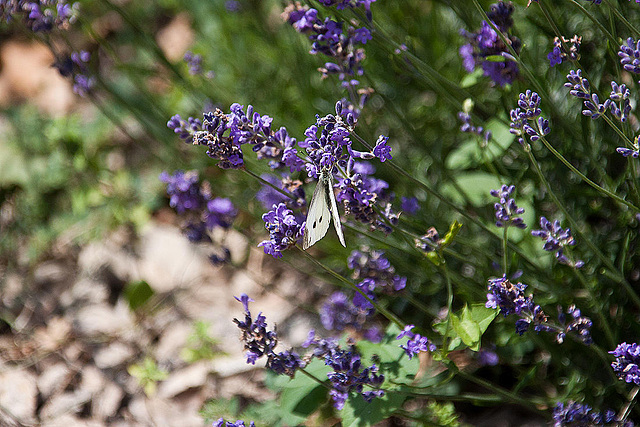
(334, 209)
(318, 216)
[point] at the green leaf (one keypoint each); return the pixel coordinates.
(472, 78)
(137, 294)
(392, 360)
(358, 412)
(466, 328)
(495, 58)
(483, 316)
(300, 396)
(454, 228)
(470, 153)
(475, 185)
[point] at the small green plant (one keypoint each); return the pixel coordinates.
(148, 374)
(200, 344)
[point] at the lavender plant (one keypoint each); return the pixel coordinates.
(417, 312)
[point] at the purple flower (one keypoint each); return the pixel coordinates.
(580, 88)
(267, 195)
(259, 341)
(556, 239)
(487, 357)
(183, 189)
(40, 16)
(630, 56)
(485, 43)
(626, 363)
(578, 324)
(467, 126)
(528, 110)
(220, 213)
(338, 314)
(375, 272)
(631, 152)
(193, 199)
(382, 150)
(574, 414)
(416, 342)
(468, 59)
(184, 129)
(75, 67)
(194, 62)
(284, 230)
(360, 192)
(507, 211)
(555, 56)
(626, 152)
(325, 144)
(224, 134)
(409, 205)
(559, 52)
(348, 374)
(428, 242)
(510, 299)
(362, 35)
(232, 5)
(621, 95)
(221, 423)
(337, 40)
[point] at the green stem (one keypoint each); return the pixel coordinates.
(574, 225)
(631, 401)
(445, 345)
(505, 258)
(450, 204)
(316, 379)
(622, 19)
(265, 182)
(597, 307)
(612, 39)
(584, 178)
(508, 395)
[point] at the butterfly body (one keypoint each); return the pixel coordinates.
(322, 210)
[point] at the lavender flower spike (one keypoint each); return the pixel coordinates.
(221, 423)
(620, 94)
(575, 414)
(580, 88)
(630, 152)
(627, 361)
(630, 56)
(556, 239)
(510, 299)
(416, 343)
(528, 110)
(507, 211)
(284, 228)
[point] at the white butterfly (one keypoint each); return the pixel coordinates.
(323, 207)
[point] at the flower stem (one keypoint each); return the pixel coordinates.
(593, 19)
(505, 261)
(619, 276)
(450, 204)
(445, 270)
(631, 401)
(584, 178)
(611, 341)
(508, 395)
